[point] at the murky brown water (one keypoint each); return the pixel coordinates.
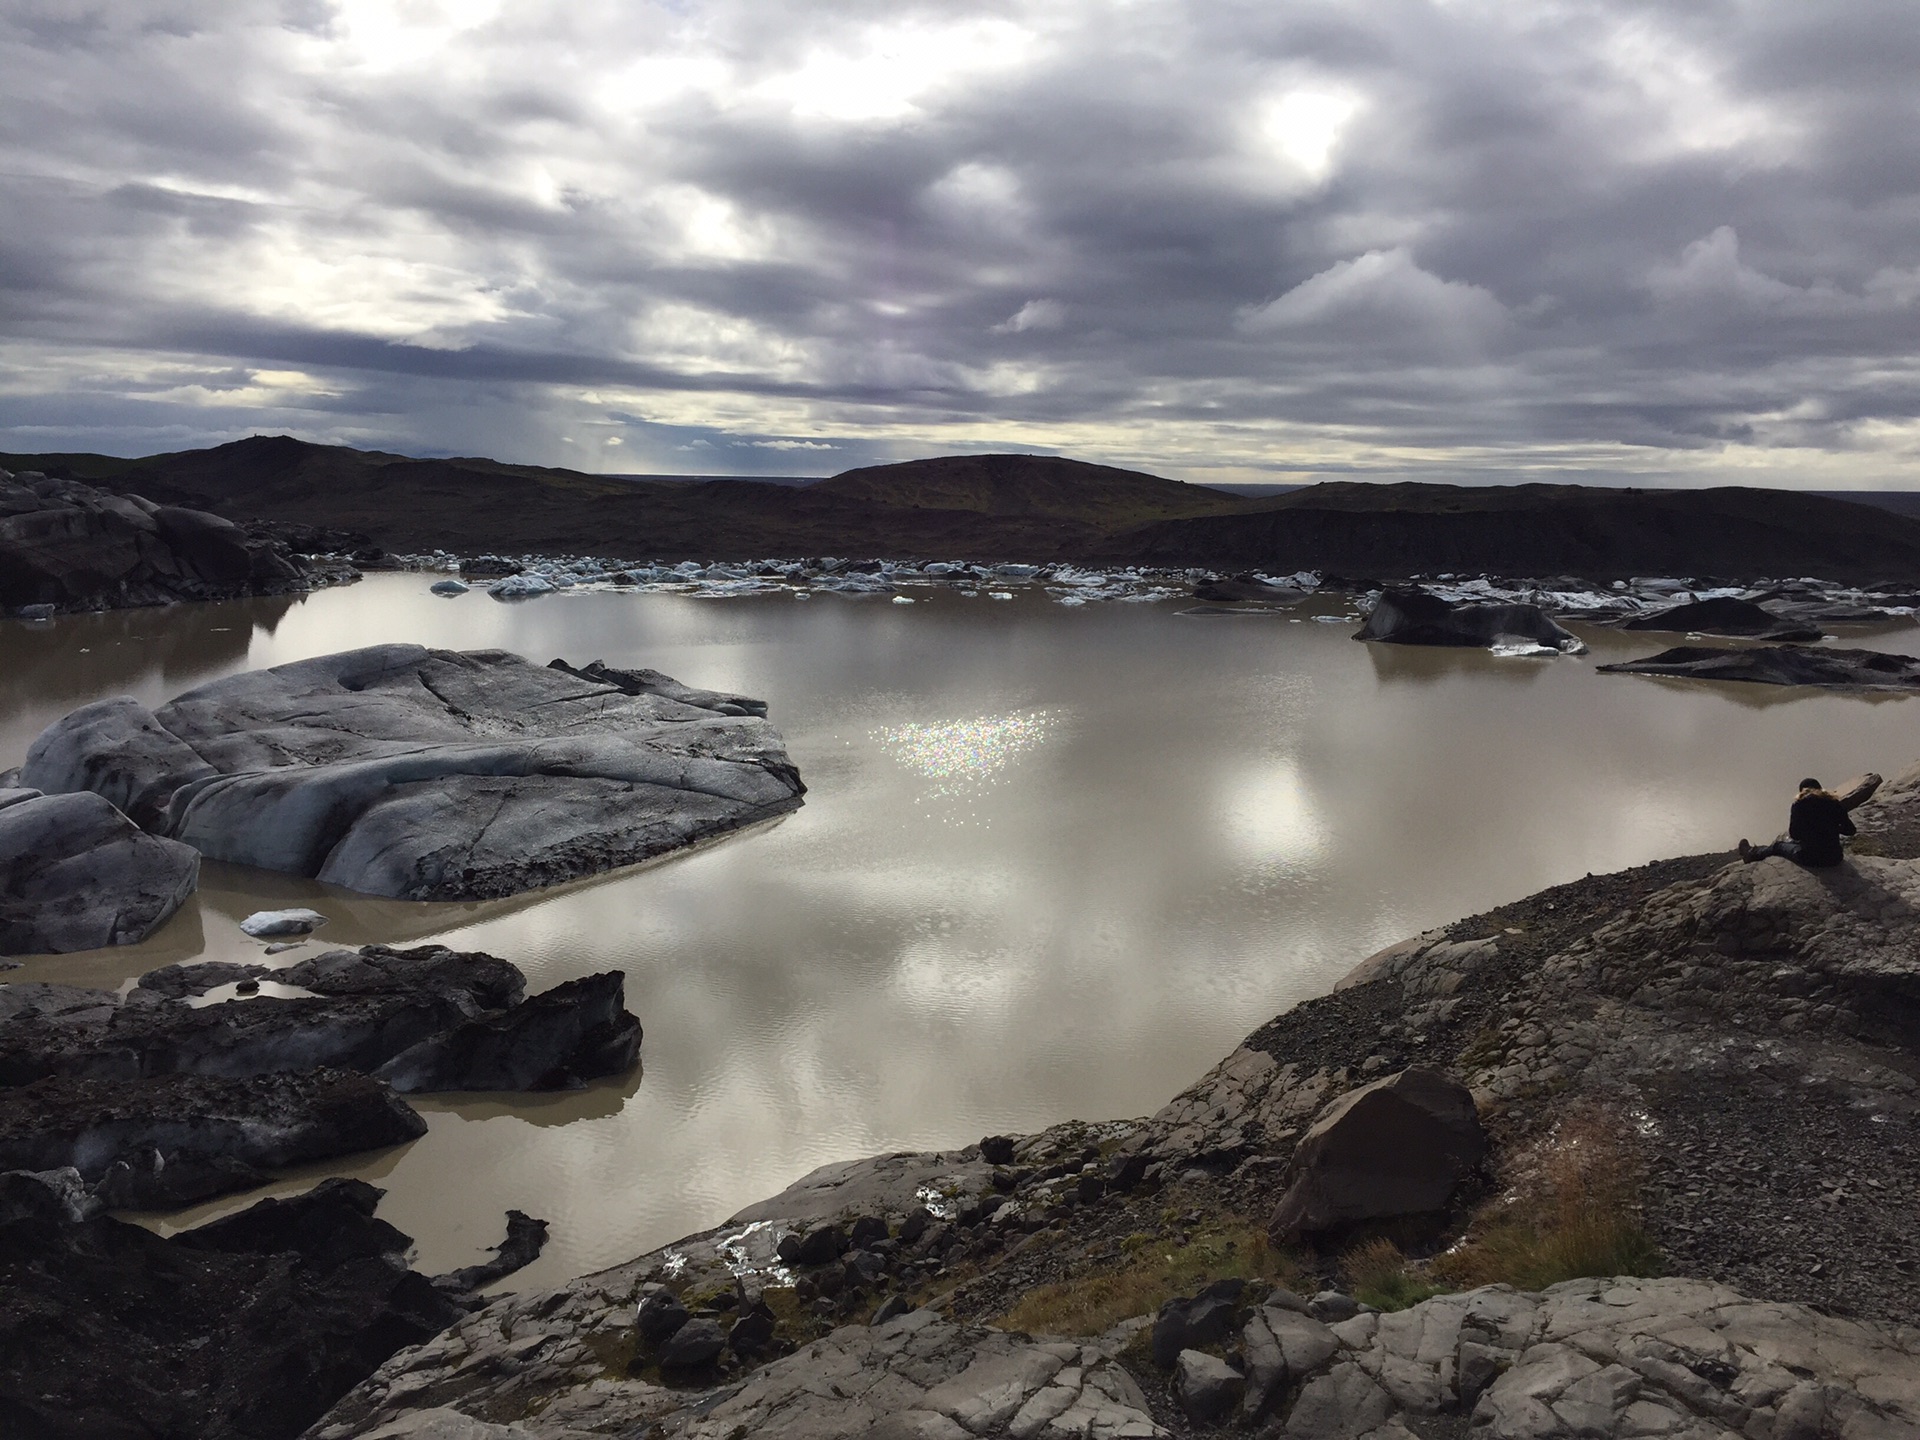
(1054, 862)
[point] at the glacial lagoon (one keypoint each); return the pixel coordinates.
(1055, 860)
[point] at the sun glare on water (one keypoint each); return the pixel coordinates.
(963, 757)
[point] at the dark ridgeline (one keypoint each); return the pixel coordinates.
(1020, 507)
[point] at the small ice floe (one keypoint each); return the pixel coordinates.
(520, 587)
(35, 612)
(449, 587)
(1524, 647)
(903, 600)
(263, 924)
(999, 594)
(280, 947)
(1519, 647)
(1016, 572)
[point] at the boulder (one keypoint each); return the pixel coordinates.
(177, 1139)
(426, 774)
(69, 546)
(1828, 667)
(427, 1018)
(1725, 615)
(1207, 1387)
(246, 1329)
(659, 1315)
(1204, 1319)
(1414, 617)
(1399, 1146)
(76, 874)
(698, 1342)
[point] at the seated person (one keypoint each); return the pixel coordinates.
(1814, 827)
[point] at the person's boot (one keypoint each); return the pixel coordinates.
(1746, 852)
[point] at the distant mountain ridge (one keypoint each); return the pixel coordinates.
(1022, 507)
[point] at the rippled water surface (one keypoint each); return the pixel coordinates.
(1053, 862)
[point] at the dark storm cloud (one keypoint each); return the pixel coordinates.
(1617, 239)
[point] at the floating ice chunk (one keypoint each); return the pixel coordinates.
(449, 587)
(1519, 647)
(1016, 572)
(264, 923)
(999, 594)
(521, 587)
(903, 600)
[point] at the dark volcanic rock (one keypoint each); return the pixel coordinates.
(445, 1020)
(76, 874)
(1726, 615)
(652, 682)
(1413, 617)
(560, 1039)
(425, 774)
(247, 1329)
(1244, 589)
(659, 1316)
(176, 1139)
(1399, 1146)
(1832, 668)
(526, 1238)
(73, 547)
(698, 1342)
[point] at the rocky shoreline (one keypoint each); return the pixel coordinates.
(67, 546)
(1727, 1056)
(1740, 1045)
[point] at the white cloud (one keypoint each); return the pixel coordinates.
(740, 219)
(1711, 272)
(1381, 285)
(1034, 315)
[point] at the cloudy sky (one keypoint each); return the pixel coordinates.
(1635, 241)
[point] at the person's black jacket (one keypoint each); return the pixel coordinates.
(1816, 822)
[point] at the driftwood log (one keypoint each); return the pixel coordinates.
(1857, 791)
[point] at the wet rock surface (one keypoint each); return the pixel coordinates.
(437, 1018)
(1414, 617)
(68, 546)
(1829, 667)
(426, 774)
(176, 1139)
(162, 1101)
(76, 874)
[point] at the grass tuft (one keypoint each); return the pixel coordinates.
(1573, 1210)
(1149, 1273)
(1378, 1274)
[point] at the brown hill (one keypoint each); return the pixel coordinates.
(1023, 507)
(1591, 531)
